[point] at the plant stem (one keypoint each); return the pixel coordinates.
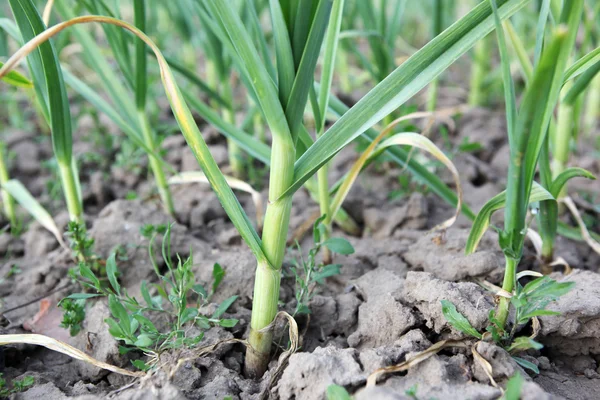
(264, 309)
(324, 204)
(510, 274)
(141, 89)
(72, 190)
(268, 273)
(478, 72)
(7, 199)
(155, 165)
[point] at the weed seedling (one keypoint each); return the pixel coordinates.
(18, 385)
(529, 301)
(178, 298)
(309, 272)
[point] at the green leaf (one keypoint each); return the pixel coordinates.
(102, 105)
(457, 320)
(82, 296)
(188, 315)
(402, 84)
(87, 273)
(336, 392)
(146, 295)
(199, 289)
(581, 84)
(514, 387)
(44, 62)
(143, 341)
(218, 274)
(524, 343)
(538, 313)
(14, 78)
(339, 245)
(146, 323)
(582, 65)
(482, 221)
(286, 70)
(526, 364)
(509, 87)
(139, 364)
(228, 323)
(223, 307)
(561, 180)
(115, 329)
(326, 272)
(111, 273)
(203, 322)
(119, 312)
(330, 52)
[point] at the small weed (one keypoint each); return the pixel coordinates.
(130, 157)
(309, 272)
(73, 315)
(83, 245)
(18, 385)
(528, 301)
(411, 392)
(178, 298)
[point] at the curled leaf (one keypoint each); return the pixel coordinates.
(561, 180)
(482, 221)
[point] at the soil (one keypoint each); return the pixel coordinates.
(382, 309)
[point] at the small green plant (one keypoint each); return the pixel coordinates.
(83, 246)
(412, 392)
(18, 385)
(309, 272)
(178, 298)
(529, 301)
(73, 315)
